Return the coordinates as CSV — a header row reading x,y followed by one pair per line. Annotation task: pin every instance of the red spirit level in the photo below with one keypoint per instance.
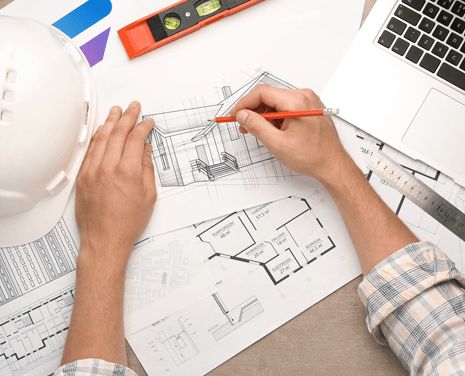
x,y
176,21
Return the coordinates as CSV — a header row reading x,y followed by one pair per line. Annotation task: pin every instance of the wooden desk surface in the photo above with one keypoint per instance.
x,y
330,339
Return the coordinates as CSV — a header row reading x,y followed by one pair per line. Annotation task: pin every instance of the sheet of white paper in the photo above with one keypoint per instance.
x,y
268,264
191,73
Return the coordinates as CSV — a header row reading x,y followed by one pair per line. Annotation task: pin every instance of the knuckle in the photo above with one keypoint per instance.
x,y
308,93
106,170
261,88
311,96
118,132
125,171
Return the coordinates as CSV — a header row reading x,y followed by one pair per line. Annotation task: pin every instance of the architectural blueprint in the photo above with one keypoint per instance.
x,y
267,264
200,164
423,225
189,148
36,299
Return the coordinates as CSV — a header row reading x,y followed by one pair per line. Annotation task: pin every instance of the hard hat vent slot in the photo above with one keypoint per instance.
x,y
5,116
8,96
11,76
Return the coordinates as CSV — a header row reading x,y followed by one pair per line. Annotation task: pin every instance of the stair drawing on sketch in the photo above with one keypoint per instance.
x,y
236,317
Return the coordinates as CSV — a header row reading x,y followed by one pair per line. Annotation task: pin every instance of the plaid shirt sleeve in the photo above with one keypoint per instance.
x,y
415,302
93,367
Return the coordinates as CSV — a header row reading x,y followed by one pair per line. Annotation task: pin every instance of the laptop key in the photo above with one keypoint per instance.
x,y
458,25
445,3
386,39
407,14
397,26
462,66
414,54
430,63
415,4
454,40
412,34
454,57
401,46
440,49
452,75
431,10
426,42
445,18
458,9
440,33
427,25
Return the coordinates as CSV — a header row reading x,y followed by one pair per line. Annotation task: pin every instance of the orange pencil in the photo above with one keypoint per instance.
x,y
284,115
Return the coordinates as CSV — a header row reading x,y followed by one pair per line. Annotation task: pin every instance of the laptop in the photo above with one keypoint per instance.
x,y
403,81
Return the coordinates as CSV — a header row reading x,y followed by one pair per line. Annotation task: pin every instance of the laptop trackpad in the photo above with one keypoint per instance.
x,y
438,131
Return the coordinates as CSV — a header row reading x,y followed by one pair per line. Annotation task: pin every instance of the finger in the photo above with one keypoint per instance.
x,y
135,145
276,98
259,127
148,169
100,139
119,134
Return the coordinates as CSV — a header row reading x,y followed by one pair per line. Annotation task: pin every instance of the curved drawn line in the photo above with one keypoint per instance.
x,y
83,17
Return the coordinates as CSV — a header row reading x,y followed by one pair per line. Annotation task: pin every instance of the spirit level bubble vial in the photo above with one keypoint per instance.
x,y
175,22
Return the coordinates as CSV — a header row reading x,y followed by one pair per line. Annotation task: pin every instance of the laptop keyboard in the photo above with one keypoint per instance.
x,y
430,34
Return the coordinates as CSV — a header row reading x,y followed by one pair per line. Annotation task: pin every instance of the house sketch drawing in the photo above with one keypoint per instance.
x,y
189,148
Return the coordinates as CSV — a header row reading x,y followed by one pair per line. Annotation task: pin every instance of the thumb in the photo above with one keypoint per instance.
x,y
258,126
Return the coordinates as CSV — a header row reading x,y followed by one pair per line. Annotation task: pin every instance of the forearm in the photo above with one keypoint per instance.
x,y
97,328
375,230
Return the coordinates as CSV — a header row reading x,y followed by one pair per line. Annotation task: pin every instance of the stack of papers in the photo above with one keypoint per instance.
x,y
239,244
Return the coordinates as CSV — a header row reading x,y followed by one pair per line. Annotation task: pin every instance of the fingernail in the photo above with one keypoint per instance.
x,y
114,110
133,104
242,117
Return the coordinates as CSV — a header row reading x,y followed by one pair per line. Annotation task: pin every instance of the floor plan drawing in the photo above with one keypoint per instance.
x,y
282,237
188,147
27,267
32,339
267,264
236,317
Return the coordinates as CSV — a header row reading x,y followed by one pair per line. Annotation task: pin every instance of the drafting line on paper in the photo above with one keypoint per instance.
x,y
236,317
297,240
36,334
27,267
188,148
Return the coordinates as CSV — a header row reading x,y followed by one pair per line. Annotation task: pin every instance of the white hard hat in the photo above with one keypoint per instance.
x,y
47,110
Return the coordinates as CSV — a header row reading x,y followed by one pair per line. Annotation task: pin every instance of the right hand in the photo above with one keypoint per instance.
x,y
309,146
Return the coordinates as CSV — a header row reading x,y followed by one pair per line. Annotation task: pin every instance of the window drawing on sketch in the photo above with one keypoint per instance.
x,y
282,237
189,148
27,267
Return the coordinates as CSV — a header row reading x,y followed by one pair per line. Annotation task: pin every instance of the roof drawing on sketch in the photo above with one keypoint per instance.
x,y
189,148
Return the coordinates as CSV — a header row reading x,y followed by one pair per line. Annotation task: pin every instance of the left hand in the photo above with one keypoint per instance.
x,y
116,190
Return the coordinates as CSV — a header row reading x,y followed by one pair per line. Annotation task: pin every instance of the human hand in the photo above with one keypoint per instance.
x,y
310,146
116,190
